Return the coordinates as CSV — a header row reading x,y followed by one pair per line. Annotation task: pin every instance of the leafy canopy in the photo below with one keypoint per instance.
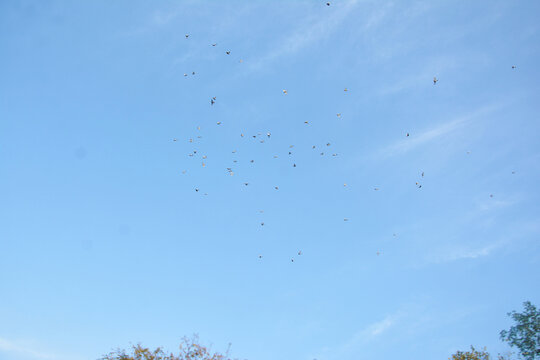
x,y
189,350
471,355
525,334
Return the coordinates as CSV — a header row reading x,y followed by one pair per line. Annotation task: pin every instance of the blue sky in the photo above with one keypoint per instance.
x,y
105,242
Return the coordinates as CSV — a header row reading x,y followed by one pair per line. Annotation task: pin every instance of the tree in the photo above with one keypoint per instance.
x,y
471,355
525,335
189,350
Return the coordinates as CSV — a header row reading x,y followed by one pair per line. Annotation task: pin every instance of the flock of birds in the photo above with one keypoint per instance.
x,y
230,171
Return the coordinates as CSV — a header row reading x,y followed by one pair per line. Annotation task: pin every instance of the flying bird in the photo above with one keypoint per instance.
x,y
513,66
187,35
327,4
228,52
214,44
219,123
435,80
276,187
284,92
300,252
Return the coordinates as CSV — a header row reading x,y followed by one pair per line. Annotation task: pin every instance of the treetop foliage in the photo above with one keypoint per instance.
x,y
525,334
190,349
471,355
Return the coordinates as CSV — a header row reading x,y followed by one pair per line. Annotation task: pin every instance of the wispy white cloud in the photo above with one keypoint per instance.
x,y
372,331
419,79
160,17
379,327
471,253
12,347
305,35
472,249
426,136
492,204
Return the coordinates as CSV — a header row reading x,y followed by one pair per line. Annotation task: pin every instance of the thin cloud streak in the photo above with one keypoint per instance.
x,y
473,253
373,330
520,231
403,146
381,326
365,335
305,36
11,347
